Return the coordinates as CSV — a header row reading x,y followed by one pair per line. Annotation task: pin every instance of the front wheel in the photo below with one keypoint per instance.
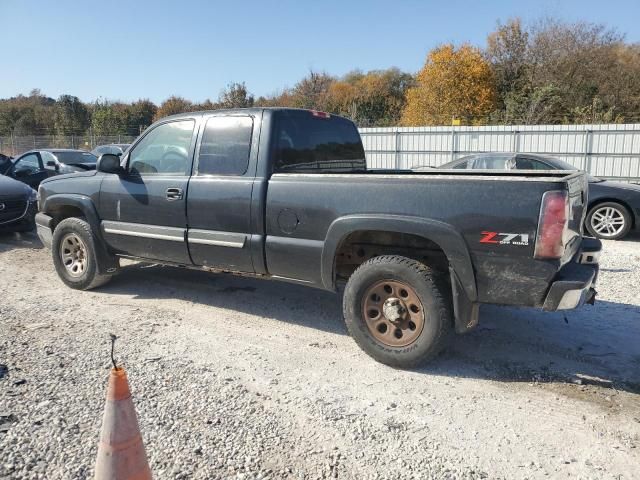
x,y
74,255
608,221
398,310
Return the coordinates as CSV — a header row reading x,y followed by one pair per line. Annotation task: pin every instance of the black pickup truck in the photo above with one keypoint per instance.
x,y
285,194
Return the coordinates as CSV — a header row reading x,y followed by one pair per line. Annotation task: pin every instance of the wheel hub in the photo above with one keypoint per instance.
x,y
607,221
394,309
393,313
73,254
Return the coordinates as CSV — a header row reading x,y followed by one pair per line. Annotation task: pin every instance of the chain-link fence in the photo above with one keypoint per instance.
x,y
15,145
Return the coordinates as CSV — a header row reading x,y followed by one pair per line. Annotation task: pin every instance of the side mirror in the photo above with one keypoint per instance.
x,y
109,163
54,164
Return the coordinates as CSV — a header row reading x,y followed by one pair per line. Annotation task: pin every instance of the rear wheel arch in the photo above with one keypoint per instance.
x,y
441,235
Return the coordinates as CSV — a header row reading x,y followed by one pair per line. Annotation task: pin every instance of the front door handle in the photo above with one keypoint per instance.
x,y
174,194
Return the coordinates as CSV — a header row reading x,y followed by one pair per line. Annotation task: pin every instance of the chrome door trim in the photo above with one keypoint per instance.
x,y
155,232
218,239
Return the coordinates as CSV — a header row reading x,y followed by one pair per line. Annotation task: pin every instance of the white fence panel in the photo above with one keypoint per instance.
x,y
609,151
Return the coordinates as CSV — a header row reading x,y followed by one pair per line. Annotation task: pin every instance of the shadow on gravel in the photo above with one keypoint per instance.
x,y
590,346
278,300
11,241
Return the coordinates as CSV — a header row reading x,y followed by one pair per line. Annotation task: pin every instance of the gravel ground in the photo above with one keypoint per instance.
x,y
241,378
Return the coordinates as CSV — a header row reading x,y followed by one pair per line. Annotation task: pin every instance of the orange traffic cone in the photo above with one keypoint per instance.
x,y
121,453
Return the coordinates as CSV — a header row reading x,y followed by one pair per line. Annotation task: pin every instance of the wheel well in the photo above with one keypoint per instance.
x,y
597,202
360,246
61,212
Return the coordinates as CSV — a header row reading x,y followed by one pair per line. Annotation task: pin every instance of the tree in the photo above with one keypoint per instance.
x,y
173,105
454,83
555,72
507,50
311,91
373,98
108,118
235,96
71,116
141,115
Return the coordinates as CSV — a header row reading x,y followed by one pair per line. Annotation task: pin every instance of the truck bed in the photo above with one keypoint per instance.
x,y
469,203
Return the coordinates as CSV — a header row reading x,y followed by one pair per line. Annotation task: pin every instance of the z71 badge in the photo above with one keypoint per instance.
x,y
505,238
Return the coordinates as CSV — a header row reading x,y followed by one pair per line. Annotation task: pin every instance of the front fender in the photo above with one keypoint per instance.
x,y
56,202
443,234
107,262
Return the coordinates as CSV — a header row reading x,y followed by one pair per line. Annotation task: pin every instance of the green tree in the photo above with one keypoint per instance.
x,y
71,116
235,96
141,115
375,98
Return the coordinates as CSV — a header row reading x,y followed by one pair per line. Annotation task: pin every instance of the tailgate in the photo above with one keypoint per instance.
x,y
578,186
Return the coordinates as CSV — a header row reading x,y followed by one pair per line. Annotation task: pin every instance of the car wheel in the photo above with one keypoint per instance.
x,y
398,310
609,221
74,255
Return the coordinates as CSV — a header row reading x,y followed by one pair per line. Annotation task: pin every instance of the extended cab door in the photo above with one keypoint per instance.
x,y
220,233
143,210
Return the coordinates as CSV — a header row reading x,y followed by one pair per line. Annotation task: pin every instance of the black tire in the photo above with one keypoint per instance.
x,y
88,277
432,290
620,212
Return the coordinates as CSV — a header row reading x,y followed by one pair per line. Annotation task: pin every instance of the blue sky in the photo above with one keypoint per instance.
x,y
125,50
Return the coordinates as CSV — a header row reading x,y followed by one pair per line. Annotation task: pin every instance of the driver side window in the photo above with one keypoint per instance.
x,y
164,150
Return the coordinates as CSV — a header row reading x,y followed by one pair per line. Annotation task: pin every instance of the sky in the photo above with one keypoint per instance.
x,y
126,50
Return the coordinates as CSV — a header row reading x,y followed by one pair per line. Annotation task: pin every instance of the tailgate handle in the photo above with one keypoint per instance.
x,y
174,194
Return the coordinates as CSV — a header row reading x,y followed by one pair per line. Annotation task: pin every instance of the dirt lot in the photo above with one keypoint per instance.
x,y
241,378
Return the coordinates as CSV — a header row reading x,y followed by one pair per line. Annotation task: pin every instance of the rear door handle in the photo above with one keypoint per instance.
x,y
174,194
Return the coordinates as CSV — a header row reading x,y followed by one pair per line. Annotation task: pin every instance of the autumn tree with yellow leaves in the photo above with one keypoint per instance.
x,y
453,84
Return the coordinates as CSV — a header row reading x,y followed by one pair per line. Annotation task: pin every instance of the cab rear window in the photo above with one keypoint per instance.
x,y
315,142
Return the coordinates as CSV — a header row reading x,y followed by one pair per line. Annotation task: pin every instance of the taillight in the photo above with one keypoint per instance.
x,y
318,114
553,225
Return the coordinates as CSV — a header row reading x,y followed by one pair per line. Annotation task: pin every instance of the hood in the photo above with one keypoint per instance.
x,y
10,188
79,174
77,167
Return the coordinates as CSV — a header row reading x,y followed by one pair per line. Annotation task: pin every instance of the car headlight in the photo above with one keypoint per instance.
x,y
33,196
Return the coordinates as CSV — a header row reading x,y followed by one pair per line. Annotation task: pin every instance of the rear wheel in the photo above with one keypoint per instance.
x,y
74,255
609,221
398,310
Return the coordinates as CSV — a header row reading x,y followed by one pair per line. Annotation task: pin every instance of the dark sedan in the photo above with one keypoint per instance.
x,y
614,207
18,206
35,165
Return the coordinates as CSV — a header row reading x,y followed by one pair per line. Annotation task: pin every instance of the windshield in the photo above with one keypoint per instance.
x,y
75,157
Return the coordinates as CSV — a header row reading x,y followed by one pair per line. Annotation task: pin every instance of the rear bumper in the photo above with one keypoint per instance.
x,y
574,285
43,228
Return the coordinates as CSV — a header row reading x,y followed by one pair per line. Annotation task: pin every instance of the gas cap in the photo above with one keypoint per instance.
x,y
288,220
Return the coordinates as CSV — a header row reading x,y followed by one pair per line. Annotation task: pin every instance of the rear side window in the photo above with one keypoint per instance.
x,y
312,142
225,146
530,164
493,163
